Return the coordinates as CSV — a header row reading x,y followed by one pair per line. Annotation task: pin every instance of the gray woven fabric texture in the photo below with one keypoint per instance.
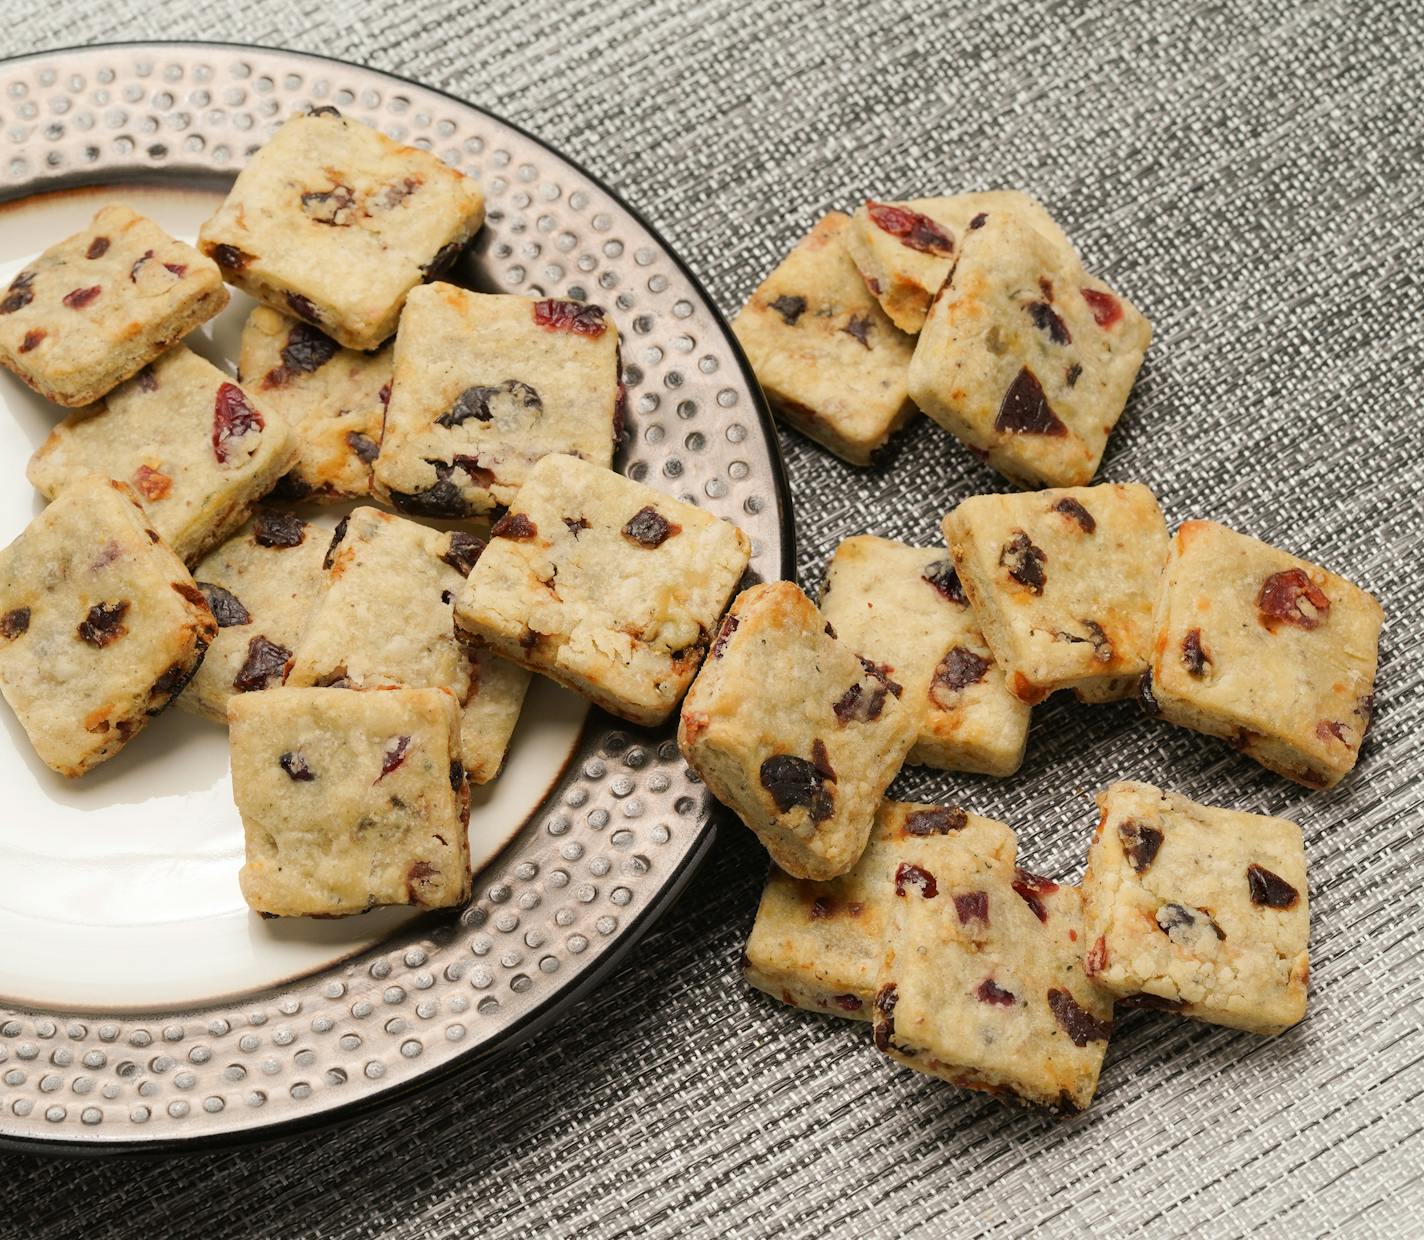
x,y
1249,173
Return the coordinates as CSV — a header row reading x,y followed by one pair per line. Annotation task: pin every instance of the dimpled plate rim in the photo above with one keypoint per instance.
x,y
626,823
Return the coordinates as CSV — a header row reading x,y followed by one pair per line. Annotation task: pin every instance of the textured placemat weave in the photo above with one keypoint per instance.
x,y
1250,174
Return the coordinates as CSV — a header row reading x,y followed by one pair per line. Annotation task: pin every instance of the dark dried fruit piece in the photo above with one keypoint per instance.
x,y
1144,696
266,661
1102,644
1270,889
1152,1002
990,992
856,704
1171,917
821,760
1046,319
1075,372
1097,958
959,669
337,535
1292,598
859,326
1194,658
457,775
570,316
885,1000
397,748
231,257
15,623
104,624
366,448
847,1003
147,380
821,908
724,633
1075,511
97,248
941,575
1030,888
1025,409
649,528
233,420
914,230
443,260
972,906
1328,728
790,308
171,682
474,402
20,293
443,499
78,298
278,529
32,339
303,307
979,220
1024,561
138,265
335,207
1106,308
227,609
514,525
183,589
576,525
909,875
296,767
793,781
935,821
178,269
1080,1025
462,552
1139,844
420,872
306,351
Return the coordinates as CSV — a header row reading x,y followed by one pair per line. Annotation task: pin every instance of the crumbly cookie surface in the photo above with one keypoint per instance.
x,y
485,385
198,449
1063,584
1198,910
1026,358
96,308
830,361
903,608
333,398
604,585
793,731
335,223
350,799
1273,653
100,625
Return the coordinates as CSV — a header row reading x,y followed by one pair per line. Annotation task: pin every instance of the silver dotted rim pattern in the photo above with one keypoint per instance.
x,y
624,825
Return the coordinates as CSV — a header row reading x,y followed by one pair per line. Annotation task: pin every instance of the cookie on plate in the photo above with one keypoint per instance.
x,y
261,585
905,250
981,980
1198,910
1273,653
100,625
335,223
385,620
604,585
334,399
485,385
1026,358
197,448
903,609
1063,584
831,363
794,731
350,799
95,309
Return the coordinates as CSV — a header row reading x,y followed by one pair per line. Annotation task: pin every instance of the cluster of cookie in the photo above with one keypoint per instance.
x,y
369,677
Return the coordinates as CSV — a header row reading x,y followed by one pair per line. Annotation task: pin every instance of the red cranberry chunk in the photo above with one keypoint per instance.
x,y
1046,319
935,821
78,298
1328,728
97,248
233,420
724,634
570,316
908,875
1097,958
278,529
1106,308
972,906
397,748
420,872
979,220
226,607
942,576
104,624
790,308
1292,598
32,339
1025,409
1139,844
178,269
1030,888
847,1003
991,992
914,230
463,552
266,662
514,525
649,528
303,307
793,781
1075,511
15,623
821,908
821,760
1194,657
1080,1025
1268,889
231,257
856,705
1025,562
296,767
20,293
959,669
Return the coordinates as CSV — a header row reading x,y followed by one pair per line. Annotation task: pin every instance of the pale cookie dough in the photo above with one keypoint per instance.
x,y
1269,651
793,731
905,250
1198,910
100,625
261,586
1062,583
198,449
335,223
904,609
350,799
385,620
981,979
95,309
831,363
485,385
1026,358
334,399
604,585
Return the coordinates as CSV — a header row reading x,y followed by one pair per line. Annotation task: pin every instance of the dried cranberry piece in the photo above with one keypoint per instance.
x,y
959,669
1106,308
914,230
443,499
171,682
385,395
227,609
881,672
366,448
230,257
233,419
909,875
138,265
1030,887
20,293
1046,319
78,298
514,525
724,633
1172,917
1270,889
821,908
334,207
649,528
1097,958
847,1003
1292,598
397,192
296,767
32,339
972,906
1102,644
821,760
307,350
15,623
474,402
147,380
1194,657
278,529
830,631
104,624
1154,1003
471,465
442,261
97,248
337,535
856,704
1327,728
1144,695
885,999
941,575
790,308
859,326
178,269
463,552
1079,1024
303,307
420,872
990,992
1074,511
457,775
793,781
1025,562
576,525
266,661
979,220
1025,409
570,316
1139,843
935,821
397,749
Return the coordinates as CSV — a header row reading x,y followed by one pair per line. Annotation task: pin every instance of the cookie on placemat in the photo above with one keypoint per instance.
x,y
485,385
335,223
1062,584
95,309
333,398
832,365
100,625
794,731
904,609
196,447
1198,910
1269,651
350,799
605,585
1026,358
